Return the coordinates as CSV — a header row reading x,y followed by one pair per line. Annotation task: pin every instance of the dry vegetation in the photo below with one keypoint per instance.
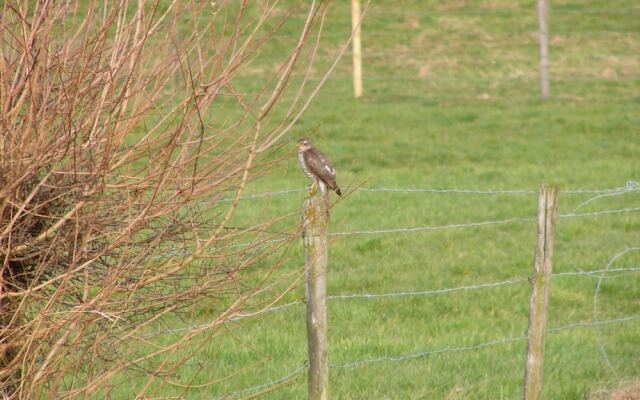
x,y
629,391
116,125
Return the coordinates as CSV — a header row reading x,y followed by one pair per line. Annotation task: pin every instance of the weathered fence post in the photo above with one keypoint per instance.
x,y
543,13
539,300
357,48
315,219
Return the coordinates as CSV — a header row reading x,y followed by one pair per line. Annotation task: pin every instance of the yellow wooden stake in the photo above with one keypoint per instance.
x,y
357,48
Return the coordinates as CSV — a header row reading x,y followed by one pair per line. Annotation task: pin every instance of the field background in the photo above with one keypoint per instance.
x,y
451,100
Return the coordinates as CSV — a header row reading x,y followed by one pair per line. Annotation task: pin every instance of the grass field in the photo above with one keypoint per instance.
x,y
452,101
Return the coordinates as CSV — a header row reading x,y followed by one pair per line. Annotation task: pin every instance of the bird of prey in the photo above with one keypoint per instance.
x,y
317,167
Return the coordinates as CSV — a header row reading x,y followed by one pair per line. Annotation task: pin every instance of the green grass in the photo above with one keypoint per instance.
x,y
452,101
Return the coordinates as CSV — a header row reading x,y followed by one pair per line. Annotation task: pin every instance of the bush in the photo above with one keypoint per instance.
x,y
117,123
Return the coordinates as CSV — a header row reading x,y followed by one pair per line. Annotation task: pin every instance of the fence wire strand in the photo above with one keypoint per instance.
x,y
356,364
481,223
425,292
592,273
591,324
432,227
232,319
486,12
275,382
596,213
630,186
444,190
477,346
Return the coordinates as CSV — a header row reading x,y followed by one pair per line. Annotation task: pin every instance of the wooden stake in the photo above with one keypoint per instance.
x,y
539,300
357,48
315,219
543,13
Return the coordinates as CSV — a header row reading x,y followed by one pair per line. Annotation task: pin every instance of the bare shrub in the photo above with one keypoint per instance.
x,y
118,121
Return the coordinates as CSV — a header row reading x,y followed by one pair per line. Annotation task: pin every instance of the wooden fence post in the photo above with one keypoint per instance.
x,y
357,48
539,300
315,219
543,13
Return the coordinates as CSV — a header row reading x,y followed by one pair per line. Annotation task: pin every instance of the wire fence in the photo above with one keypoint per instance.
x,y
400,45
408,357
599,273
403,51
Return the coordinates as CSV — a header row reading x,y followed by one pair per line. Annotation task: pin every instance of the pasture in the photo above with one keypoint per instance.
x,y
451,100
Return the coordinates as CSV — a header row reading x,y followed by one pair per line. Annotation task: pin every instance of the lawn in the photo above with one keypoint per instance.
x,y
451,100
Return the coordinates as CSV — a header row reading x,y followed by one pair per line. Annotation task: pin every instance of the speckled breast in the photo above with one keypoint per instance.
x,y
303,165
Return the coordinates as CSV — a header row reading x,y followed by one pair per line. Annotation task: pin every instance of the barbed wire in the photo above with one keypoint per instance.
x,y
261,195
431,227
448,349
592,273
525,98
269,310
399,33
359,363
235,318
596,213
473,287
411,50
499,12
426,292
275,382
591,324
507,282
488,80
451,190
478,224
485,90
630,186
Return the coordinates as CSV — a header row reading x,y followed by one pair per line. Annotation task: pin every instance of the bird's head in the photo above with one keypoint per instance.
x,y
304,144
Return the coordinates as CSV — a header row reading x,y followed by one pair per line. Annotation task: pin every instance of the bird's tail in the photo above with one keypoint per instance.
x,y
338,191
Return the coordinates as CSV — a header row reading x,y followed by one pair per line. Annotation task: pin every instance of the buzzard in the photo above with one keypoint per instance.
x,y
317,167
